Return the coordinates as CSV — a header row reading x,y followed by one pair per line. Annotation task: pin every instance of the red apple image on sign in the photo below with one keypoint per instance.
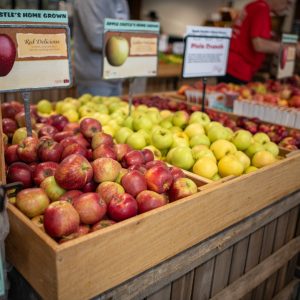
x,y
7,54
117,50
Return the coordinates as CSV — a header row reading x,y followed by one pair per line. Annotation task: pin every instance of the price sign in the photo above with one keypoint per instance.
x,y
130,49
34,50
206,52
287,57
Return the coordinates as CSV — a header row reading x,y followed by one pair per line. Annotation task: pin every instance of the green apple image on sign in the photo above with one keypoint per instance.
x,y
117,50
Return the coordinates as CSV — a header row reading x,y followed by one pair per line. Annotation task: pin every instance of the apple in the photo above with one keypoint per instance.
x,y
134,157
230,165
69,196
180,139
9,126
148,200
205,167
104,150
27,149
134,182
218,133
44,106
52,189
11,154
47,130
102,224
44,170
263,158
73,127
182,157
60,136
20,172
200,139
159,179
162,138
250,169
148,155
199,117
211,125
120,175
101,138
20,134
220,148
39,222
32,201
154,115
136,141
49,150
89,126
261,138
61,219
7,54
20,118
157,154
82,230
74,172
243,158
74,149
142,121
200,151
272,148
194,129
122,206
10,109
176,173
90,207
242,139
253,148
180,118
108,189
122,134
182,187
121,150
105,169
116,50
166,124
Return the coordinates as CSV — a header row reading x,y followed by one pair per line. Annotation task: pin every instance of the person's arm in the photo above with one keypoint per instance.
x,y
266,46
91,15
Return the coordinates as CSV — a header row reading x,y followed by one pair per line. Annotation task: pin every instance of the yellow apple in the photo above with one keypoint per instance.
x,y
220,148
230,165
194,129
205,167
243,158
263,158
117,50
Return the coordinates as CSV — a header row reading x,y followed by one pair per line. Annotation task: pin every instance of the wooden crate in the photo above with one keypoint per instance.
x,y
99,261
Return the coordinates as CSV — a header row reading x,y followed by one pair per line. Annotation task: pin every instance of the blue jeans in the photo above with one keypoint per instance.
x,y
100,90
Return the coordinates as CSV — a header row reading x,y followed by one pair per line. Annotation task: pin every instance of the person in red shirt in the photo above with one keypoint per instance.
x,y
250,40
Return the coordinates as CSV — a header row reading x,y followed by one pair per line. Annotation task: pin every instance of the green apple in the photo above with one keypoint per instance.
x,y
155,151
122,134
212,124
250,169
205,167
199,152
182,157
175,129
72,115
194,129
229,133
154,116
142,108
102,108
165,113
230,165
199,117
44,106
109,130
243,158
137,141
97,99
66,107
20,134
180,118
118,116
242,139
166,123
217,133
128,122
200,139
102,118
146,135
180,139
112,107
263,158
117,50
261,138
216,177
142,122
154,128
85,111
162,138
169,155
220,148
253,148
271,147
58,106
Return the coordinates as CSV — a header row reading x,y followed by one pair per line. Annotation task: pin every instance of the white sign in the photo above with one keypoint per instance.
x,y
208,31
205,56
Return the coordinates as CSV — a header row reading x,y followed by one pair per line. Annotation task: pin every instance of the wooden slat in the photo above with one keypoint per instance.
x,y
182,288
288,291
203,280
266,250
157,277
278,243
239,256
163,294
259,273
290,233
221,271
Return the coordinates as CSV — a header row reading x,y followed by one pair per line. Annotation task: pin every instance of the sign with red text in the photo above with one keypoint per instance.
x,y
206,52
34,50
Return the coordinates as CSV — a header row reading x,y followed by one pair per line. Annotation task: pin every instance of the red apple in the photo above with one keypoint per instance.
x,y
47,130
101,138
73,127
49,150
159,179
7,54
20,118
89,155
108,189
58,137
141,168
90,207
102,224
82,230
104,150
90,187
73,149
61,219
121,150
134,182
105,169
27,149
176,172
148,155
21,172
182,187
59,122
89,126
9,126
44,170
134,157
122,206
148,200
155,163
32,201
79,139
11,154
10,109
70,196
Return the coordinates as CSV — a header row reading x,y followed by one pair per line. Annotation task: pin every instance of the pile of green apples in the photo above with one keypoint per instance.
x,y
191,142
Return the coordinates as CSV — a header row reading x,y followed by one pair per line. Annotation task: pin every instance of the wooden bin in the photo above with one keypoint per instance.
x,y
99,261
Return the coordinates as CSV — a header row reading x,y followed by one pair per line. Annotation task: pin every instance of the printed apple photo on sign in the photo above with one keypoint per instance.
x,y
117,50
7,54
